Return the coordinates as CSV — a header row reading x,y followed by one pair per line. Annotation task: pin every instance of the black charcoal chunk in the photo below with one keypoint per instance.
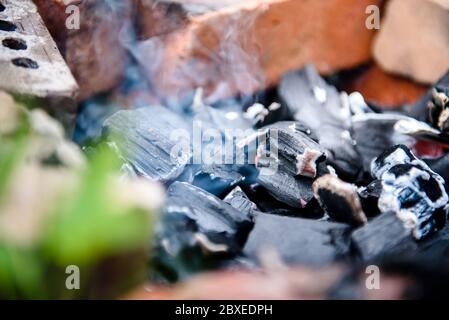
x,y
288,162
420,110
219,221
217,179
291,149
240,201
441,167
339,200
383,236
180,250
411,190
438,109
295,192
369,197
261,116
373,133
153,140
298,241
319,106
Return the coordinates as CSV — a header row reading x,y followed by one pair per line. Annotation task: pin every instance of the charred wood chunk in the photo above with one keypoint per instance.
x,y
240,201
441,167
319,106
373,133
439,108
288,162
411,190
144,139
180,250
217,179
340,200
295,192
298,241
214,217
424,109
384,236
369,198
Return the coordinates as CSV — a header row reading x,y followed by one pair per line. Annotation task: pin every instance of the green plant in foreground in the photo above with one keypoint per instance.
x,y
89,218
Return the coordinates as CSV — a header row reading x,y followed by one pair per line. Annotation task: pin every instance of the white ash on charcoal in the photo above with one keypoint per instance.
x,y
411,190
261,116
384,236
320,107
439,109
340,200
298,241
369,198
441,167
226,118
421,131
420,110
144,139
288,163
218,220
240,201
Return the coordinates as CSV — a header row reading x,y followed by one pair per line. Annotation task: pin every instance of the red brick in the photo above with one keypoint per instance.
x,y
244,47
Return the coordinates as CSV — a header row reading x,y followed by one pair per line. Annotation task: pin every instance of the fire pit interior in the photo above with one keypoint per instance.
x,y
210,149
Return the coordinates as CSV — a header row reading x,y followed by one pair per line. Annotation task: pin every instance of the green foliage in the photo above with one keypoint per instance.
x,y
86,227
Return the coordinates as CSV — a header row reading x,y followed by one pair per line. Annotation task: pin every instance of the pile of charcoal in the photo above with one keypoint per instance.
x,y
342,181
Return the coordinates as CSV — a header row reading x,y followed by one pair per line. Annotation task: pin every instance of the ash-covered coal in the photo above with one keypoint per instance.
x,y
411,190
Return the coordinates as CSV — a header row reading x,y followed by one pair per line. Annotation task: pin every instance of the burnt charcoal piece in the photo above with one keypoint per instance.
x,y
421,131
383,236
219,221
319,106
227,117
180,250
369,197
390,158
147,139
217,179
261,116
441,167
373,133
420,110
411,190
339,200
291,149
298,241
295,192
240,201
268,204
439,109
288,162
